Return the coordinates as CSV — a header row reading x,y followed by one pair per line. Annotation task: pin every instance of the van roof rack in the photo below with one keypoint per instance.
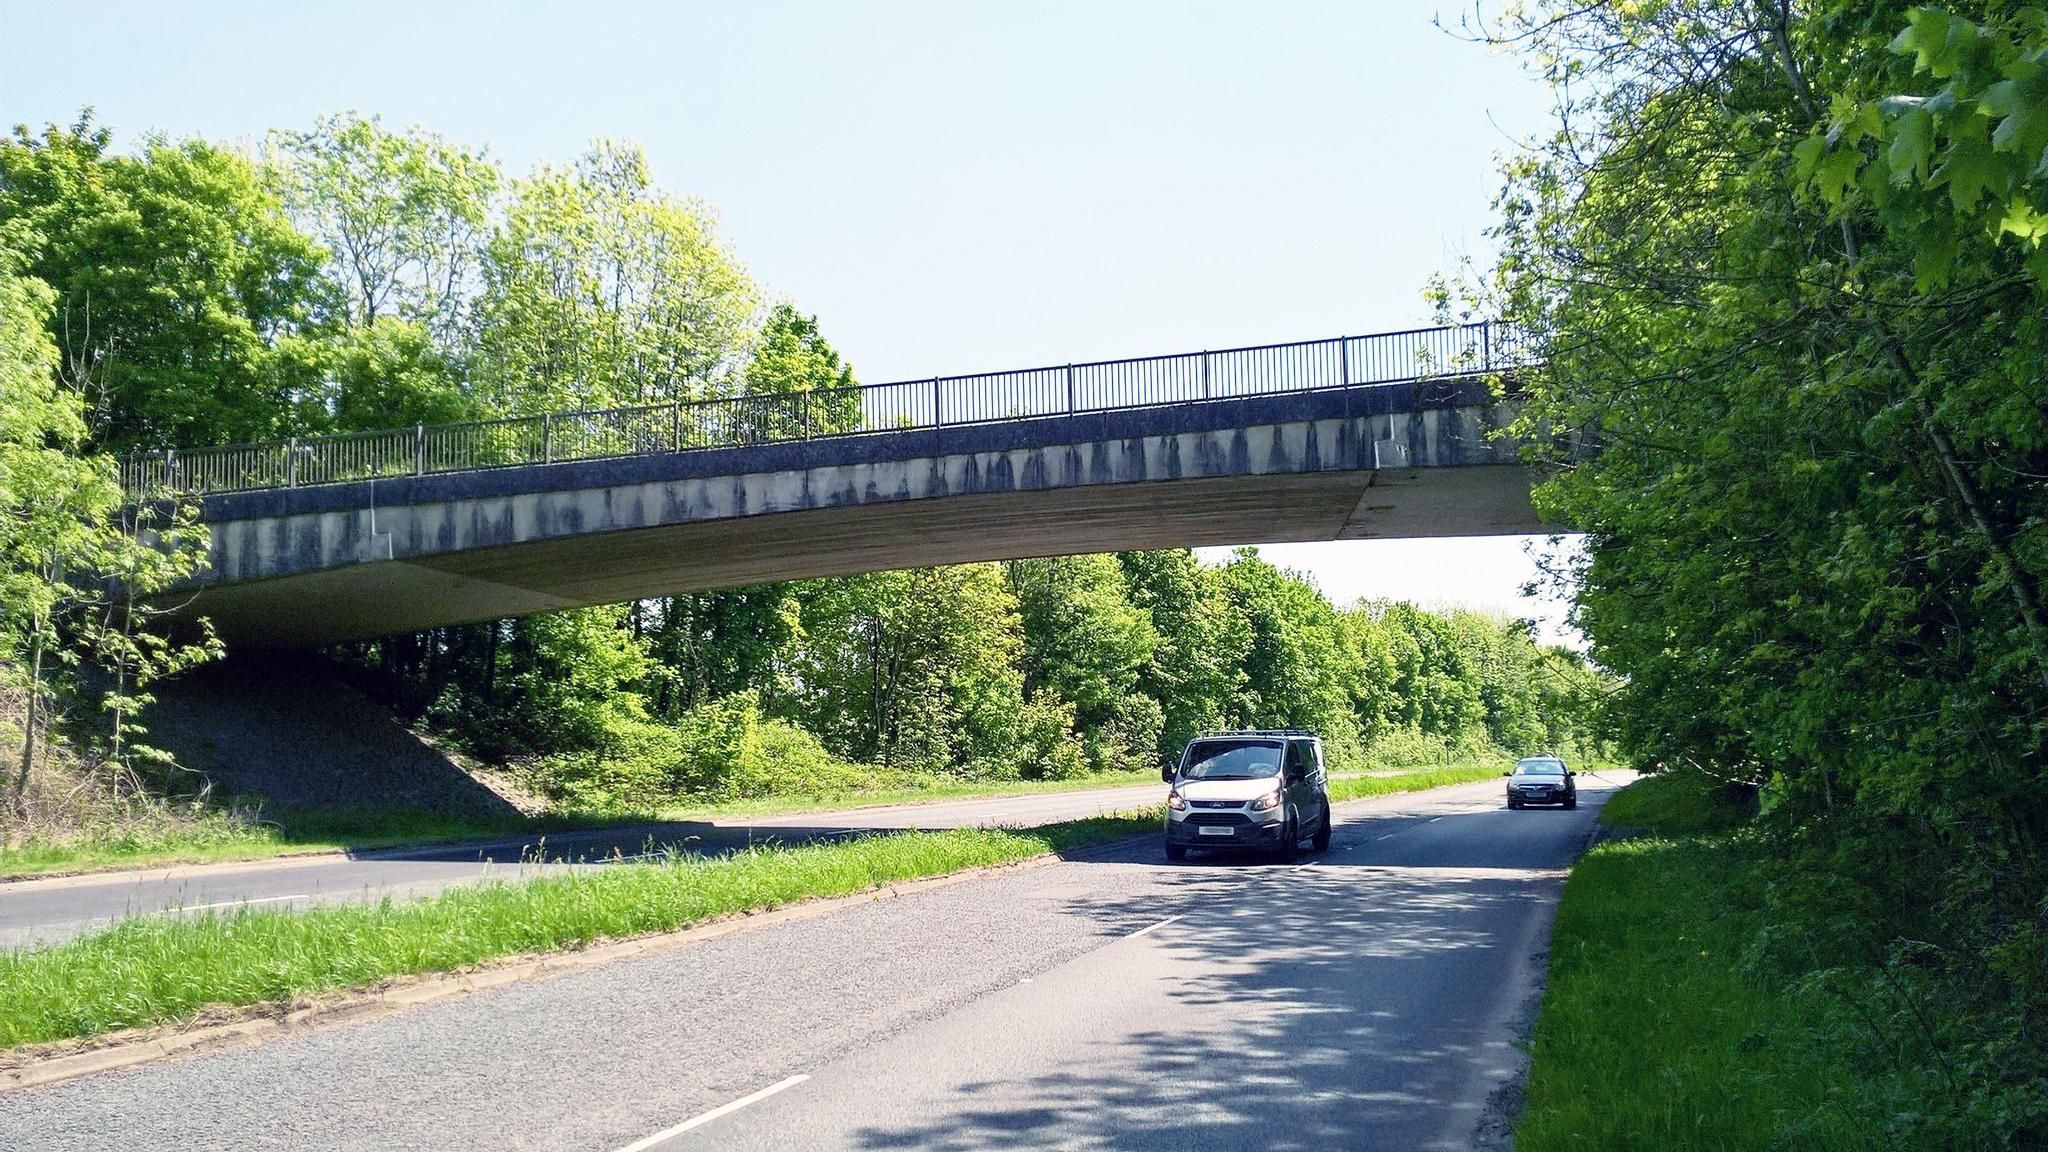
x,y
1258,732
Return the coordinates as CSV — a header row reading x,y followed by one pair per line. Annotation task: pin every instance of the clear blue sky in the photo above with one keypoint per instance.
x,y
951,187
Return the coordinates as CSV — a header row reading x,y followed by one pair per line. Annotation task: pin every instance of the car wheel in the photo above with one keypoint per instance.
x,y
1571,802
1176,852
1290,842
1514,804
1322,840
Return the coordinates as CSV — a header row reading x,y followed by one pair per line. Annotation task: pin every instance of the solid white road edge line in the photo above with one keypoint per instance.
x,y
231,904
1150,927
644,1143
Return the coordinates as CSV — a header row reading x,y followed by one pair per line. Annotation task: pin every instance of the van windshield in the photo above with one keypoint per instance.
x,y
1231,760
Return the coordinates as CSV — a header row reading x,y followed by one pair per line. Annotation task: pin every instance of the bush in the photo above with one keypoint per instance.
x,y
723,750
1046,748
1409,747
1129,740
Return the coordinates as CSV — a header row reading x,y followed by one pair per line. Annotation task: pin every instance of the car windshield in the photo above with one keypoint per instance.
x,y
1540,768
1231,760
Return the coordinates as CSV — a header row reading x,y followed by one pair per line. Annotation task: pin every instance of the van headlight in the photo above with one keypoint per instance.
x,y
1176,801
1268,802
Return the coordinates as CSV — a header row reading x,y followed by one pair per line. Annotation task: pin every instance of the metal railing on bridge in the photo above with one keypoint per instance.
x,y
758,418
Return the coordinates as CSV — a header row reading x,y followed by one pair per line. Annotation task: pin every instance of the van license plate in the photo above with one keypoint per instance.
x,y
1213,831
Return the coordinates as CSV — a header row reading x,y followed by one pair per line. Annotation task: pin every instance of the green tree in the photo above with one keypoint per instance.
x,y
557,682
599,291
77,563
916,669
1195,673
182,285
1816,524
1083,639
1085,645
402,215
708,645
792,357
1297,667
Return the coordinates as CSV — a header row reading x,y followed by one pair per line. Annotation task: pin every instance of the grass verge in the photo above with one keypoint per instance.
x,y
1655,1030
220,837
154,970
1344,788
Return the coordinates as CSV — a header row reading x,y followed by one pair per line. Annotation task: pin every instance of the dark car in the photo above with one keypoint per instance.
x,y
1541,780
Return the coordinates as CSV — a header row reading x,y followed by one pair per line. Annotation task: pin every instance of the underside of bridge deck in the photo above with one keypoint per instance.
x,y
359,600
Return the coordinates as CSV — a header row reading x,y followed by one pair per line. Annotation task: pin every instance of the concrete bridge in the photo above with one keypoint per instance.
x,y
348,537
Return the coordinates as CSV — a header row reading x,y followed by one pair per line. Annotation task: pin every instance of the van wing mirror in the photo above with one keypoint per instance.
x,y
1166,773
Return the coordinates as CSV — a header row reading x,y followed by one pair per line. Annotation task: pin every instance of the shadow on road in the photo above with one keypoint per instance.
x,y
1347,1005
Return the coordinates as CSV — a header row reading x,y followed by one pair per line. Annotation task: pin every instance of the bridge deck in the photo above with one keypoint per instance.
x,y
307,564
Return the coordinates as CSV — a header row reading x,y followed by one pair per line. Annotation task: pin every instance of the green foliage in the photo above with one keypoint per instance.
x,y
181,284
599,291
1298,668
708,645
1195,674
1680,802
1946,142
76,562
915,669
401,216
791,356
390,374
562,680
1810,401
721,751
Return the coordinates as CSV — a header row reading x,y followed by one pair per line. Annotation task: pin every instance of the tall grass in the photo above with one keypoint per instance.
x,y
156,969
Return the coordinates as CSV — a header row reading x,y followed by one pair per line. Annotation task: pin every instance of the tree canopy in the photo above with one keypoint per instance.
x,y
1785,265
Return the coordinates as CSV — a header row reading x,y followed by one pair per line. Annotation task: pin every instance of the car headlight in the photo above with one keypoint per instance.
x,y
1268,802
1176,801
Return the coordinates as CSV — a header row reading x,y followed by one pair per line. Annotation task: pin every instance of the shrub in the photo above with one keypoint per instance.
x,y
722,750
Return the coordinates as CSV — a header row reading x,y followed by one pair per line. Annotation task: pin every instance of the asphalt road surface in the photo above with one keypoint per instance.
x,y
1368,998
49,910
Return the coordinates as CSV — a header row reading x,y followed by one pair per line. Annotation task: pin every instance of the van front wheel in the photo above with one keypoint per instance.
x,y
1290,842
